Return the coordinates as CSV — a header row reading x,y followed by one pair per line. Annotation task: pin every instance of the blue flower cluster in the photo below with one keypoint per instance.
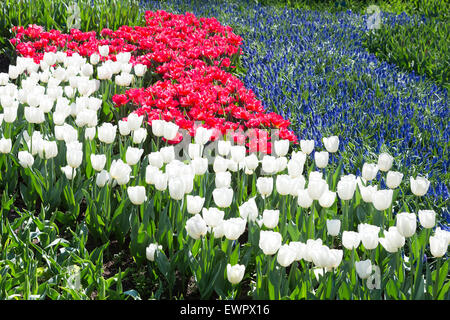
x,y
312,68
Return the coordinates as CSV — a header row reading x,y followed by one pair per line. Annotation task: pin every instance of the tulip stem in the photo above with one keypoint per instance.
x,y
436,283
411,264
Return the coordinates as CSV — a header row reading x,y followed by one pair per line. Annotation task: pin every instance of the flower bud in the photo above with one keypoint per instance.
x,y
333,227
195,226
212,216
331,143
385,161
393,179
194,204
419,186
350,239
427,218
307,146
235,273
150,251
137,195
363,268
369,171
223,197
269,242
321,159
406,224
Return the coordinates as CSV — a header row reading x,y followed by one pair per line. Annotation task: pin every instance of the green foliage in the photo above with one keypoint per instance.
x,y
93,15
422,47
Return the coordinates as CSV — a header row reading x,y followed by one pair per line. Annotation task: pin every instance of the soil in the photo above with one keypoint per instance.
x,y
4,62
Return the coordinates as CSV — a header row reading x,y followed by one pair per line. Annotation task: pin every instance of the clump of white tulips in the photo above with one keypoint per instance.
x,y
287,210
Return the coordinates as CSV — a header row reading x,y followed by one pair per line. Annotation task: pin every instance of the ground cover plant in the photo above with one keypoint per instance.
x,y
136,163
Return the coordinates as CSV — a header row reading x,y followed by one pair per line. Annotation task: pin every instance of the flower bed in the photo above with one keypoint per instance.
x,y
284,222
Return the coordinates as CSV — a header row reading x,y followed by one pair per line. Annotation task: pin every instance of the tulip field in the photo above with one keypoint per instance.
x,y
219,150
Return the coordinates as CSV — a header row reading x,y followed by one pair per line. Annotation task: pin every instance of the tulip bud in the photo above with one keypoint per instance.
x,y
368,235
295,168
385,161
327,199
5,145
316,188
160,181
333,227
212,216
69,172
286,255
98,161
167,153
139,135
158,128
200,165
176,188
406,224
94,59
140,70
150,251
233,228
194,150
269,242
235,273
321,159
311,247
249,210
369,171
223,179
220,164
438,246
251,162
120,171
223,197
271,218
392,240
194,204
297,184
307,146
107,133
202,135
224,147
124,129
134,121
283,184
237,153
133,155
264,186
74,157
195,226
137,195
304,200
281,147
427,218
393,179
281,163
382,199
419,186
346,187
363,268
350,239
331,143
26,159
103,50
269,165
170,130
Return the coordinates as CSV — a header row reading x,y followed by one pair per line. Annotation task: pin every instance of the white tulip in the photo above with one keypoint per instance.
x,y
427,218
406,224
223,197
307,146
136,194
235,273
333,227
271,218
363,268
369,171
393,179
331,143
98,161
150,251
350,239
286,255
269,242
213,216
194,204
196,227
419,186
